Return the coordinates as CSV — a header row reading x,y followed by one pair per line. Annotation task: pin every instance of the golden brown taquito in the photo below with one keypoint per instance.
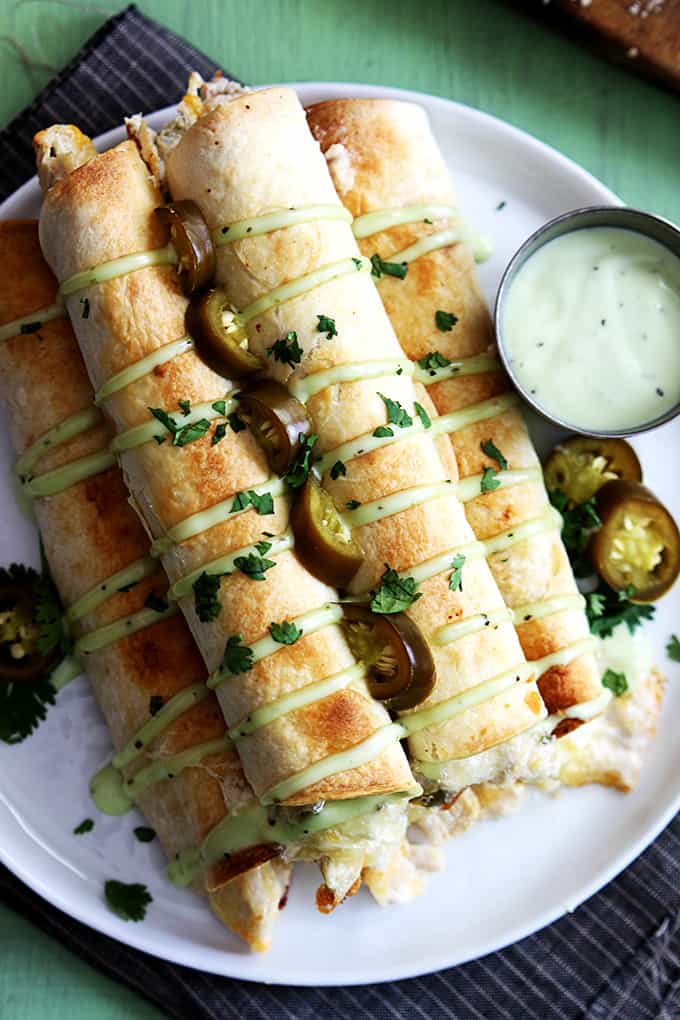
x,y
382,155
252,155
89,532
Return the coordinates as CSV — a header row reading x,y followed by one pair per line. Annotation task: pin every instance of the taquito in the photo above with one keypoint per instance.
x,y
391,176
290,266
94,543
210,503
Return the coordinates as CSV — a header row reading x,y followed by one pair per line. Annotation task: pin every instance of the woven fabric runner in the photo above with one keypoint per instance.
x,y
617,957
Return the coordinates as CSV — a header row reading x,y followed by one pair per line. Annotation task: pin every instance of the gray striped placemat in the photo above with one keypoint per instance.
x,y
617,957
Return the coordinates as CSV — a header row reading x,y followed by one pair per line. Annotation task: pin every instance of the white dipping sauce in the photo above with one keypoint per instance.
x,y
591,328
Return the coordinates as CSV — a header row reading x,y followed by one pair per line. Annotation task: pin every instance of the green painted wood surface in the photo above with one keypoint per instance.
x,y
484,54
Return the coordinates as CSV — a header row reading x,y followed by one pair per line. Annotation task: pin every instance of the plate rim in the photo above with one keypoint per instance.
x,y
236,965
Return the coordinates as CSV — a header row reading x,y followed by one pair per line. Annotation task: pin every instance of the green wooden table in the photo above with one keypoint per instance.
x,y
482,53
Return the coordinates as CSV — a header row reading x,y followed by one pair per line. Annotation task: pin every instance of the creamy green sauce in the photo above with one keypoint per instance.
x,y
142,367
225,564
102,637
307,695
156,724
471,487
481,246
471,625
396,503
585,302
303,284
67,670
144,433
269,222
309,622
40,316
129,575
53,482
382,219
214,515
356,371
255,826
118,267
474,365
549,520
547,607
438,564
69,428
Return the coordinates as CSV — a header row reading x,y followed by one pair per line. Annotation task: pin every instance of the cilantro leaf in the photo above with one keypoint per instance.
x,y
263,504
338,469
206,602
493,453
501,205
253,566
48,615
396,414
380,268
673,648
29,327
425,419
144,834
489,480
287,350
285,633
431,362
165,419
357,262
606,609
301,462
238,658
445,321
129,902
577,524
237,424
181,434
87,825
219,433
263,547
395,593
155,704
383,431
241,501
184,406
615,682
85,302
327,326
352,504
456,579
23,707
155,602
220,406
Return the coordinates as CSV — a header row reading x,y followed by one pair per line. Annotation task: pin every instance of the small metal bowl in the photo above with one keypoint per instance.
x,y
661,230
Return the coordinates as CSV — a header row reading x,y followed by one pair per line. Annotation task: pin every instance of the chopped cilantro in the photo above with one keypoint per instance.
x,y
327,326
181,434
285,633
263,547
445,321
184,406
673,648
155,602
301,462
238,658
380,268
219,405
489,480
48,614
160,439
425,419
357,262
382,432
501,205
155,704
396,414
144,834
263,504
456,579
491,450
241,501
219,433
287,350
85,302
87,825
352,504
30,327
338,469
431,362
395,593
254,566
206,602
615,682
237,424
129,902
606,609
23,707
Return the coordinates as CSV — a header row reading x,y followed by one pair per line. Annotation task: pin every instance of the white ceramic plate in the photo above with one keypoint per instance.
x,y
504,879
